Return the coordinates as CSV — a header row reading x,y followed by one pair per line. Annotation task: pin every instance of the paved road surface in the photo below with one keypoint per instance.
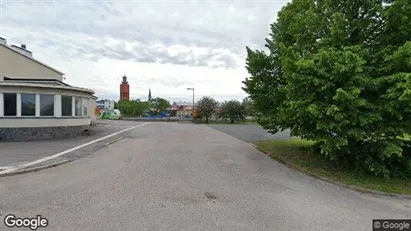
x,y
16,153
156,179
250,132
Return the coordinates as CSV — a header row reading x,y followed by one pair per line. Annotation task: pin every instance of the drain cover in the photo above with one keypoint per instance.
x,y
210,196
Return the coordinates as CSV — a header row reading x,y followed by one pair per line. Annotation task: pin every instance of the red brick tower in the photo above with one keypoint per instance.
x,y
124,89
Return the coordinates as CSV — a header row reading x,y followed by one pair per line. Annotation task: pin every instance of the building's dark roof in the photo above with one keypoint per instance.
x,y
33,80
21,48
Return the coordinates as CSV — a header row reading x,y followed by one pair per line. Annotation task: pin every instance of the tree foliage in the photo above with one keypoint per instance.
x,y
206,107
339,73
233,110
132,108
248,107
159,105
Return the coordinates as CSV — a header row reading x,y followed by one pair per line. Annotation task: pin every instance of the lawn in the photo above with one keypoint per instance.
x,y
296,152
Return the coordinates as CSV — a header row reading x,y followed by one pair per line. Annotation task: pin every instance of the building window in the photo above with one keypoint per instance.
x,y
85,106
78,106
46,105
10,104
28,104
66,105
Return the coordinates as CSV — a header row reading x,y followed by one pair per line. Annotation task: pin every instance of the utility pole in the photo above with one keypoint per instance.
x,y
189,89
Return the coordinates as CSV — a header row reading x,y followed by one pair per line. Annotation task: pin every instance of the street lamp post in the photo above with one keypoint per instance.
x,y
189,89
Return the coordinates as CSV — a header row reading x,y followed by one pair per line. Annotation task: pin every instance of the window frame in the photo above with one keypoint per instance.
x,y
86,105
75,106
21,104
4,104
54,104
71,107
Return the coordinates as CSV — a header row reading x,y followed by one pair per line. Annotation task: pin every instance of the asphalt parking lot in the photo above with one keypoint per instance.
x,y
16,153
171,176
250,132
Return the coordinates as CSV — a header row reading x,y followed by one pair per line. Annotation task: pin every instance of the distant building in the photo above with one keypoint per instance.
x,y
105,104
149,95
180,109
124,89
35,103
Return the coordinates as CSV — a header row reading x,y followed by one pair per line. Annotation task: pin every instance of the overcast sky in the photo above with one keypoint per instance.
x,y
163,45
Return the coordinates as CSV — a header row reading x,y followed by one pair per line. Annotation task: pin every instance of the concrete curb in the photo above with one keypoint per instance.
x,y
34,169
309,173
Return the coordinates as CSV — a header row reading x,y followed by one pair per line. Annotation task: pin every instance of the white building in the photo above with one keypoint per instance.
x,y
105,104
35,103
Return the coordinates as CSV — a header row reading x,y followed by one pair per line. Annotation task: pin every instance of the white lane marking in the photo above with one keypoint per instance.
x,y
6,167
12,169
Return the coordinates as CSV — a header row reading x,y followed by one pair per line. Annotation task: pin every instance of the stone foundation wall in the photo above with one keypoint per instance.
x,y
41,133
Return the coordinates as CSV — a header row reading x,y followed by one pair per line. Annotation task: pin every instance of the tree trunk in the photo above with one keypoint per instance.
x,y
207,119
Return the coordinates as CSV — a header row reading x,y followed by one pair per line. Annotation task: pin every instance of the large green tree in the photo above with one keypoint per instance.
x,y
206,107
233,110
339,73
132,108
159,105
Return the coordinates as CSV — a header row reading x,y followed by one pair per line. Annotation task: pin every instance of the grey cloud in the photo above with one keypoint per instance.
x,y
94,49
224,60
201,25
169,82
103,94
142,53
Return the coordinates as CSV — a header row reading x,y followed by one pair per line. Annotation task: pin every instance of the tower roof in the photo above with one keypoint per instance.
x,y
124,79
